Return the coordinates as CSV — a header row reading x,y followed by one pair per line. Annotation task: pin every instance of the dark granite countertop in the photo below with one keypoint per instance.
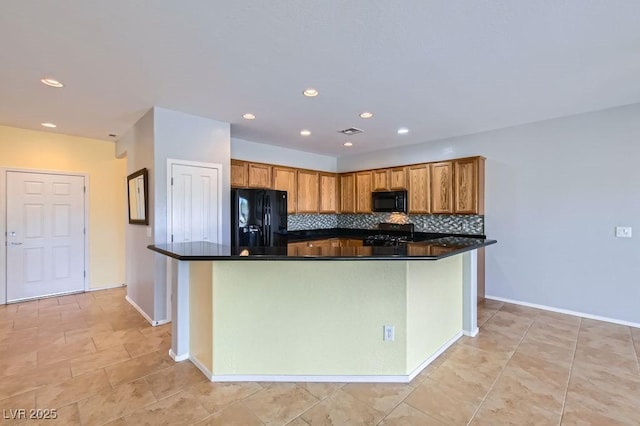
x,y
432,249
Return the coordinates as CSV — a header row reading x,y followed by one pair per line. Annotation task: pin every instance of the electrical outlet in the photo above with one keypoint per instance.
x,y
388,332
623,231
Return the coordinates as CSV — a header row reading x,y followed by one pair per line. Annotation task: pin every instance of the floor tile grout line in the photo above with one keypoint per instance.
x,y
319,400
502,371
573,360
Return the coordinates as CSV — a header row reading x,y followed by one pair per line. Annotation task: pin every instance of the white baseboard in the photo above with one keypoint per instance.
x,y
143,313
204,369
565,311
329,378
106,288
472,334
178,358
439,352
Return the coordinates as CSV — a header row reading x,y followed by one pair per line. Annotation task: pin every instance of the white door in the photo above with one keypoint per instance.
x,y
45,234
195,210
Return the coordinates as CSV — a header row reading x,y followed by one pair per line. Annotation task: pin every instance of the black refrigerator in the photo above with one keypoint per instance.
x,y
258,216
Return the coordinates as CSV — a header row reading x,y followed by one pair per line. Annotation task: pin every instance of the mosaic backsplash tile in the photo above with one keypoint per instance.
x,y
297,222
455,224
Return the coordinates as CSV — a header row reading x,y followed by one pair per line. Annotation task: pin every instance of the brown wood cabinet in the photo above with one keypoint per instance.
x,y
442,187
259,175
363,192
398,178
239,174
419,191
284,179
348,193
308,196
328,193
351,242
446,187
380,180
469,185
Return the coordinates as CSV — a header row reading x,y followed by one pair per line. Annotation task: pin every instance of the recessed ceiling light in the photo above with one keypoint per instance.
x,y
310,92
51,82
348,144
305,132
249,116
50,125
403,131
366,114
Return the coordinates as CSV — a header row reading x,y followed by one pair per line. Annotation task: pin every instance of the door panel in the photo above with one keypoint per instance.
x,y
45,234
194,215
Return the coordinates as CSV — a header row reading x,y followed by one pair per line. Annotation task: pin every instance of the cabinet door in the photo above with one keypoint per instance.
x,y
284,179
419,189
467,185
380,180
296,249
363,192
259,175
239,174
398,178
442,187
348,193
307,191
328,193
354,243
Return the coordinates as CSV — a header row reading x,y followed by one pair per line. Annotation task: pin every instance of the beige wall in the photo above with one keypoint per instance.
x,y
28,149
322,318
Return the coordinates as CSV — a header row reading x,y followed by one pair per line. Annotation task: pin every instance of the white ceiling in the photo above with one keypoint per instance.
x,y
441,68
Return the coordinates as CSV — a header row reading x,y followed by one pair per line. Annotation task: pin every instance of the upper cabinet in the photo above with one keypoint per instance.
x,y
446,187
363,192
259,175
284,179
239,174
380,180
388,179
469,185
348,193
308,196
442,187
398,178
419,188
328,193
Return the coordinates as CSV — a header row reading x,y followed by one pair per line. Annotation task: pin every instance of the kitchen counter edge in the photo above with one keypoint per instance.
x,y
203,251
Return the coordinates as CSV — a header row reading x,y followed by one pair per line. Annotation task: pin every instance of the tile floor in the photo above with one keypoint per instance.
x,y
96,361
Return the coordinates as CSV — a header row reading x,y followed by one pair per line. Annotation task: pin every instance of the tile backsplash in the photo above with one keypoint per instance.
x,y
455,224
296,222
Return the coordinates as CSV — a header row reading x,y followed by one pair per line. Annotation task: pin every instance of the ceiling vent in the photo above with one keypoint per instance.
x,y
350,131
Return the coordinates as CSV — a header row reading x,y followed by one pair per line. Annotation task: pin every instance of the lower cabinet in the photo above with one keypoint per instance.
x,y
318,247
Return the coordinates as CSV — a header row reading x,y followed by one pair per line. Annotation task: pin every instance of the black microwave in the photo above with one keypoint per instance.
x,y
389,201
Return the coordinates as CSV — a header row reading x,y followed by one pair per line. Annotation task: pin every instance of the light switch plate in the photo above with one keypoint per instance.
x,y
149,231
389,333
623,231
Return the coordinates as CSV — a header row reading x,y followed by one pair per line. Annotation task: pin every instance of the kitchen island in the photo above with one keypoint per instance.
x,y
342,314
